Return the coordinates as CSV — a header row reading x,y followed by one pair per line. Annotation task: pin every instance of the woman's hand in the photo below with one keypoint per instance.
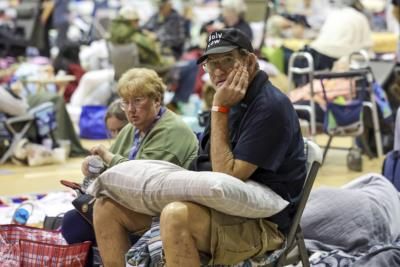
x,y
102,152
92,166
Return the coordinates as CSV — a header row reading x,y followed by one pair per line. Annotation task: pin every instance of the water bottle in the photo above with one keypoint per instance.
x,y
95,166
22,214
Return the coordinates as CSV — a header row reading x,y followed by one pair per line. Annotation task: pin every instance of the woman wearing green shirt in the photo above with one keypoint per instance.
x,y
153,132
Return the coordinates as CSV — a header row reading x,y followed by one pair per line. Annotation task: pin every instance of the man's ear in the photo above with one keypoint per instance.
x,y
251,63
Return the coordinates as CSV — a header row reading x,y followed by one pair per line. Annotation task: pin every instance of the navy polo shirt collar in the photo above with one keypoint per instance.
x,y
237,112
255,86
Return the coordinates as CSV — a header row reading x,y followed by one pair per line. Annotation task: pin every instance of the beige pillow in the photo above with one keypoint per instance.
x,y
146,186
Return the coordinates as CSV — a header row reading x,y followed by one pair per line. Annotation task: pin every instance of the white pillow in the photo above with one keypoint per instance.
x,y
147,186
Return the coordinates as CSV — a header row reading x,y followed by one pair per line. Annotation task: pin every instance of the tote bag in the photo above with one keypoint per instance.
x,y
91,122
35,247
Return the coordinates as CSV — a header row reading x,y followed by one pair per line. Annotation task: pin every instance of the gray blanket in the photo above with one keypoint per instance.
x,y
397,131
360,219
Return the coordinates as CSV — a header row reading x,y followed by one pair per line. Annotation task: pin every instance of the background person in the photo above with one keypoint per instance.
x,y
115,118
168,27
346,30
61,20
232,16
125,29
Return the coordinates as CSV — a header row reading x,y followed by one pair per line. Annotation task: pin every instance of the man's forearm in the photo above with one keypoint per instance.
x,y
221,154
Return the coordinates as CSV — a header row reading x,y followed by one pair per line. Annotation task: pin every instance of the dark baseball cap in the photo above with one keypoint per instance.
x,y
225,40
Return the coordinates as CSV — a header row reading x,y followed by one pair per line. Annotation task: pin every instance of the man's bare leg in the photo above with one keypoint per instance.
x,y
112,225
185,229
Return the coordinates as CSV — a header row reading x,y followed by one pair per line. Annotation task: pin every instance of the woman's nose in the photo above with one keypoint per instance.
x,y
131,107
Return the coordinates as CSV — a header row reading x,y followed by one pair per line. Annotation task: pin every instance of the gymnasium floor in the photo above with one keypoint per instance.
x,y
18,180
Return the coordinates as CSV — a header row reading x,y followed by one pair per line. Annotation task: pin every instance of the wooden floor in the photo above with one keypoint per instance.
x,y
17,180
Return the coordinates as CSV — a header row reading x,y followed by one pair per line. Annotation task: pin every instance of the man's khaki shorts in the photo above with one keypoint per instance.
x,y
234,239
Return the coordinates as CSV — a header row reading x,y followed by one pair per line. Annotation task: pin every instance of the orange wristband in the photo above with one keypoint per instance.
x,y
221,109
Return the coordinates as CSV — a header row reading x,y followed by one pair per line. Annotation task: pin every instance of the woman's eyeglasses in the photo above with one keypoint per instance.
x,y
135,102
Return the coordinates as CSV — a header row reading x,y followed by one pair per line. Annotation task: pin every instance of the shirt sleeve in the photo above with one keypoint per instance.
x,y
122,145
160,155
117,159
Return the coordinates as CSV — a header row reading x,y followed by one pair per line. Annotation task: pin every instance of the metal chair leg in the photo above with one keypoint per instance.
x,y
16,137
326,148
302,249
11,149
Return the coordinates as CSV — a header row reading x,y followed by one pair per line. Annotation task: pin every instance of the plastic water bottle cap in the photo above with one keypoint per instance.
x,y
21,216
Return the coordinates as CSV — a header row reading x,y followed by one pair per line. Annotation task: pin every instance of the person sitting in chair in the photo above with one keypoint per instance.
x,y
125,29
168,27
346,30
153,132
115,118
254,134
232,16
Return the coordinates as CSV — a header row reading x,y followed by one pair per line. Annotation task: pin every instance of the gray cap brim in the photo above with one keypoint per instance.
x,y
216,50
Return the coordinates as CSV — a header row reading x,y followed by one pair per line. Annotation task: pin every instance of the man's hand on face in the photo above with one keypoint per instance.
x,y
235,86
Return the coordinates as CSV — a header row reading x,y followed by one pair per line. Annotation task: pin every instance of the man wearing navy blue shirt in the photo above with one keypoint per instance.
x,y
254,134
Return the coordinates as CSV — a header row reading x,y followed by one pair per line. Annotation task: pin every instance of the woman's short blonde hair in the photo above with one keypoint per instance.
x,y
139,82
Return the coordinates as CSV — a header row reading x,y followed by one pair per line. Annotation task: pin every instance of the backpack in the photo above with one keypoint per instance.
x,y
391,168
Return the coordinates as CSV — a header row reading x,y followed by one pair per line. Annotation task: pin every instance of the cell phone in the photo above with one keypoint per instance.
x,y
72,185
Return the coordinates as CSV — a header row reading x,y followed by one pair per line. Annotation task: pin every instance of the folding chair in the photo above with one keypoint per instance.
x,y
14,129
295,249
126,56
123,57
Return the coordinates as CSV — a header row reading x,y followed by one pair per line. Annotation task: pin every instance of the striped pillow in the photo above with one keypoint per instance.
x,y
147,186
